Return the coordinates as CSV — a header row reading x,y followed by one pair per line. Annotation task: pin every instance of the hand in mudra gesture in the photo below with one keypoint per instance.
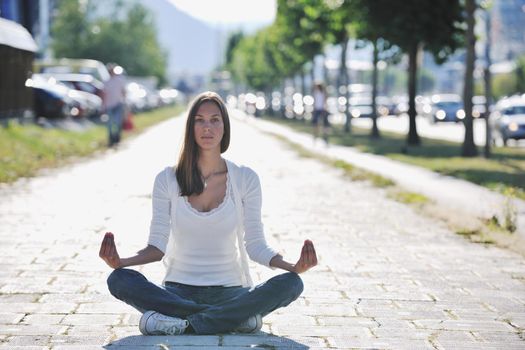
x,y
308,258
108,251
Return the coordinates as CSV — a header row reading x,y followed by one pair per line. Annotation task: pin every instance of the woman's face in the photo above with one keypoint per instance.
x,y
209,127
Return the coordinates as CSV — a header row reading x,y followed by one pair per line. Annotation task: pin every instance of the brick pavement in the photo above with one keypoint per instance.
x,y
387,278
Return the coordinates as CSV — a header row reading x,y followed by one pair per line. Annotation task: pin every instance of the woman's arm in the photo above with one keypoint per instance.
x,y
307,260
108,253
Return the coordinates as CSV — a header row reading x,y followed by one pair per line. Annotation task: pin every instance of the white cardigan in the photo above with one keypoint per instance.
x,y
248,200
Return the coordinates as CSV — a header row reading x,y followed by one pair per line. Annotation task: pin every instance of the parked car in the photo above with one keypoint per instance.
x,y
478,107
446,108
49,101
508,119
385,106
87,105
361,107
82,82
72,65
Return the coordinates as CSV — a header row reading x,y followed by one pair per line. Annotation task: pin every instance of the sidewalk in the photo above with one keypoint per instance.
x,y
452,193
387,278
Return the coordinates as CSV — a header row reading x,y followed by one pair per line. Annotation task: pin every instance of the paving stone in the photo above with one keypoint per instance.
x,y
91,319
23,329
23,347
24,340
10,318
460,325
78,340
387,278
85,330
19,298
37,319
41,308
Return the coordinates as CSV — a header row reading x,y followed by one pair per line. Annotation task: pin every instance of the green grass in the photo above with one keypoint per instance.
x,y
355,173
504,172
24,149
409,197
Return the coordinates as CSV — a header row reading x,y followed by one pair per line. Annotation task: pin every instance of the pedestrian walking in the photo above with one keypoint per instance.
x,y
114,99
320,115
206,223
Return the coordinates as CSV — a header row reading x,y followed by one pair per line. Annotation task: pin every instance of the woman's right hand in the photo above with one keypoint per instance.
x,y
108,251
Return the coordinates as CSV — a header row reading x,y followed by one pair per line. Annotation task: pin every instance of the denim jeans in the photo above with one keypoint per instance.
x,y
116,118
209,310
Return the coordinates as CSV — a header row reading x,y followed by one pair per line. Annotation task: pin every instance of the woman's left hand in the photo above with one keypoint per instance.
x,y
308,258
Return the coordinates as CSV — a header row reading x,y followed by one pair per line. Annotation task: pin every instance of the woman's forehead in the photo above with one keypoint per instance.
x,y
208,109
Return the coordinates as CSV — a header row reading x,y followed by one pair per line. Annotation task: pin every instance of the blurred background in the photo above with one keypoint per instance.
x,y
414,74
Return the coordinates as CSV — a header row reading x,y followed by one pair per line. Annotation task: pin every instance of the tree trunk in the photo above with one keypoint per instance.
x,y
375,131
326,78
469,148
487,79
345,81
413,137
312,77
303,82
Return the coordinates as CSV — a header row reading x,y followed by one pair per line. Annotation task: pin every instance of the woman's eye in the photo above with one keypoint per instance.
x,y
215,120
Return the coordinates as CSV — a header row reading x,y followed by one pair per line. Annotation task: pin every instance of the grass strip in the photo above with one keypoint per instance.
x,y
25,149
474,229
504,172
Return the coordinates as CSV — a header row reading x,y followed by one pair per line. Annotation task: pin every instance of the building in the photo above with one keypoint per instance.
x,y
33,15
508,30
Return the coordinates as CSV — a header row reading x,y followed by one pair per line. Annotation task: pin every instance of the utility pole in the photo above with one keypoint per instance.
x,y
487,78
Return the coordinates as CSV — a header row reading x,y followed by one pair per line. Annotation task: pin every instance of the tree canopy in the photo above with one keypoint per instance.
x,y
128,37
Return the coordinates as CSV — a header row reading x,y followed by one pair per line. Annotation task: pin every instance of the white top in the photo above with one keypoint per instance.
x,y
319,98
205,251
114,91
200,248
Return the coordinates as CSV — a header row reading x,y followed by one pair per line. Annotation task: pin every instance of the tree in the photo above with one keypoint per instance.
x,y
487,77
382,50
340,26
520,74
469,147
72,29
233,41
413,25
128,37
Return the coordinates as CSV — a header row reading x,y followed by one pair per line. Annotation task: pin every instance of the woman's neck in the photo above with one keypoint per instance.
x,y
211,162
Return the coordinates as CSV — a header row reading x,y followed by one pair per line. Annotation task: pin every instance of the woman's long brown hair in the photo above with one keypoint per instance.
x,y
188,174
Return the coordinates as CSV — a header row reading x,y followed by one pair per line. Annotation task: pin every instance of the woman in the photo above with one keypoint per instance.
x,y
206,222
320,115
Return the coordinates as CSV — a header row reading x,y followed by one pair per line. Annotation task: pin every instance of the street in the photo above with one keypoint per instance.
x,y
387,277
454,132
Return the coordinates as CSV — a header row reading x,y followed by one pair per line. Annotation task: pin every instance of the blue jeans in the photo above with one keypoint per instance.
x,y
209,310
116,118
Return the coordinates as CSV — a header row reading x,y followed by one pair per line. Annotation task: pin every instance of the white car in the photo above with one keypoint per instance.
x,y
508,119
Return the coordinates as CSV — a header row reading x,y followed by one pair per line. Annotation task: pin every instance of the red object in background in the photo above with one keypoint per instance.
x,y
128,122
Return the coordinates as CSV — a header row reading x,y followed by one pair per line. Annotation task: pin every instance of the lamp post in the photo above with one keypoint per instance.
x,y
487,79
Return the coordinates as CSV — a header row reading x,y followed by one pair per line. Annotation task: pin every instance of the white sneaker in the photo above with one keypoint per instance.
x,y
154,323
251,325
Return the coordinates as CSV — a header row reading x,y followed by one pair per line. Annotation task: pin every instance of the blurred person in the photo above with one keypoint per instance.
x,y
114,99
320,115
206,223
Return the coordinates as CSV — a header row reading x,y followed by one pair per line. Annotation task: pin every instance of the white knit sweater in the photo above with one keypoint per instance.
x,y
247,199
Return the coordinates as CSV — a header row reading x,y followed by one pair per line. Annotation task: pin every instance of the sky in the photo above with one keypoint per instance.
x,y
229,12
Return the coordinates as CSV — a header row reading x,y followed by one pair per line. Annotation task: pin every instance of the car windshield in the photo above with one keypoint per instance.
x,y
514,110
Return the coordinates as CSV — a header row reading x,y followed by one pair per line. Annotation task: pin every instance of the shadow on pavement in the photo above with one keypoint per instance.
x,y
259,340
